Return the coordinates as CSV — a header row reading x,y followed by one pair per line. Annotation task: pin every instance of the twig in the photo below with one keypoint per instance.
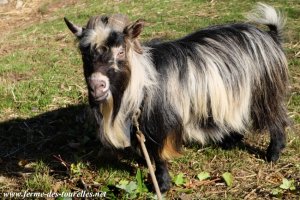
x,y
243,177
140,136
13,94
215,192
252,192
64,163
21,174
84,184
207,182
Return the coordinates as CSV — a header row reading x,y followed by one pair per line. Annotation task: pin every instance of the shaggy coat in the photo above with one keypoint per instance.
x,y
218,81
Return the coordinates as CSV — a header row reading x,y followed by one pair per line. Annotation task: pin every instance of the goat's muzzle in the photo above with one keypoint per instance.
x,y
98,86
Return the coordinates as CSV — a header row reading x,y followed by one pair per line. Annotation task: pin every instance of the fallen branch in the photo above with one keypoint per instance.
x,y
140,136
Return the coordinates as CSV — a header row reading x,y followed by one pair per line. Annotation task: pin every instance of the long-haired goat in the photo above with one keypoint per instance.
x,y
203,87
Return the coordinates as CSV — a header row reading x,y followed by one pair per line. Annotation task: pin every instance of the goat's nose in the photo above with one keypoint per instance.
x,y
98,86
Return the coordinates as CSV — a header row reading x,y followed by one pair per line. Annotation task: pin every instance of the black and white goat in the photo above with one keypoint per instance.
x,y
203,87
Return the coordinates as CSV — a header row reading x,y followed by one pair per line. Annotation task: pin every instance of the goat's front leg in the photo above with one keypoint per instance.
x,y
161,166
162,175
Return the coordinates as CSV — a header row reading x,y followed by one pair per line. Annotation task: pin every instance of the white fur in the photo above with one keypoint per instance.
x,y
265,14
143,79
96,36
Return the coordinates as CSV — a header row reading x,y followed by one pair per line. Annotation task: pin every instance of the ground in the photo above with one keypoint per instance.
x,y
47,140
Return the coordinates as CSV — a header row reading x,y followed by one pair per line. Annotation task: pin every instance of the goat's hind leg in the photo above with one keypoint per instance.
x,y
230,141
277,142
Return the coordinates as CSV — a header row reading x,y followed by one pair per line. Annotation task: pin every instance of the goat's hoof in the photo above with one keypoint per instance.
x,y
164,182
272,156
164,187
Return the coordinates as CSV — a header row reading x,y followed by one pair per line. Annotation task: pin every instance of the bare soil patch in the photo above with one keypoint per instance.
x,y
20,14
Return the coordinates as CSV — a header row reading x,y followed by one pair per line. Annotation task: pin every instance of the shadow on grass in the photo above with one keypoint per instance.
x,y
235,141
66,133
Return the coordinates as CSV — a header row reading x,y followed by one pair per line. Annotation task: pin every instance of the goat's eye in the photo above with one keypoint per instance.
x,y
100,50
121,54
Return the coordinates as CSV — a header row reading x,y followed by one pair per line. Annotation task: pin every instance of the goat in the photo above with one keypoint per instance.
x,y
206,86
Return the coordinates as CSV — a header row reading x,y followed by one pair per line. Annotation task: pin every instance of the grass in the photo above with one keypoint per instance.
x,y
40,180
44,120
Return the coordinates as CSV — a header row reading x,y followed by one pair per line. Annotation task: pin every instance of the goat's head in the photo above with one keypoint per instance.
x,y
104,44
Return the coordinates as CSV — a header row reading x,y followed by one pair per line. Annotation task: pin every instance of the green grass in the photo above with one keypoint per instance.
x,y
43,114
40,180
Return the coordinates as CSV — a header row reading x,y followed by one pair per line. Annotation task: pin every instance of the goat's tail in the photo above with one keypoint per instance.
x,y
267,15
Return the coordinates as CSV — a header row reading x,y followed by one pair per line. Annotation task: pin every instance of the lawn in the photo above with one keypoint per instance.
x,y
47,140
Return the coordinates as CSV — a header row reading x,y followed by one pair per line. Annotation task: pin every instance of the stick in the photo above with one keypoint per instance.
x,y
141,138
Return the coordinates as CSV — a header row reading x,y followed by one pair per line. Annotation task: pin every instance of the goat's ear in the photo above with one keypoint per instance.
x,y
76,30
132,31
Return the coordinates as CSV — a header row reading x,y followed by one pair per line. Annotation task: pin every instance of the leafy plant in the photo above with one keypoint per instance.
x,y
286,185
179,179
133,188
203,175
228,178
129,187
76,169
277,192
141,187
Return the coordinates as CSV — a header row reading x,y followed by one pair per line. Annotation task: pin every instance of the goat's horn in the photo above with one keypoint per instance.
x,y
118,22
77,30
